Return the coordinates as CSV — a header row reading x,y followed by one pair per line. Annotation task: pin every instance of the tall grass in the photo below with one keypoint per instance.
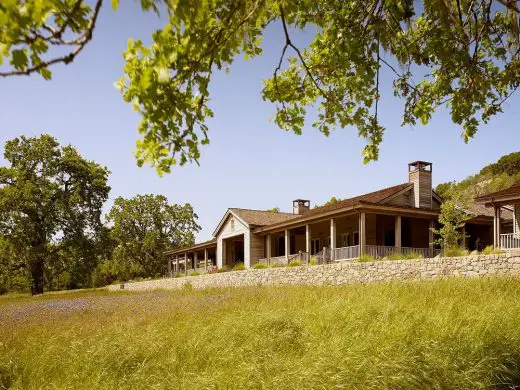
x,y
453,334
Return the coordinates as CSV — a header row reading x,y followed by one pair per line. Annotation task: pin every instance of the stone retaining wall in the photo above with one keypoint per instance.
x,y
345,272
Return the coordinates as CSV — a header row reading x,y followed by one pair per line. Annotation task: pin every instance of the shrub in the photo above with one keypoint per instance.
x,y
313,260
295,263
413,256
224,268
396,256
194,273
260,266
179,275
455,252
239,267
366,258
277,265
491,250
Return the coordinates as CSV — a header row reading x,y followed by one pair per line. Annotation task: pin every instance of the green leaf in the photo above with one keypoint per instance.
x,y
115,4
19,59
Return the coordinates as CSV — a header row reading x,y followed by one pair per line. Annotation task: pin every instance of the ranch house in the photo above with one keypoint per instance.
x,y
395,219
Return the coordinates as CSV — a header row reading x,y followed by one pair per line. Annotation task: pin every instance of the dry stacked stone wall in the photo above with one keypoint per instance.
x,y
345,272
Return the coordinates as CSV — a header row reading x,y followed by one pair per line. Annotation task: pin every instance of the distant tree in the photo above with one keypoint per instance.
x,y
455,211
50,199
508,164
274,209
332,200
143,227
462,55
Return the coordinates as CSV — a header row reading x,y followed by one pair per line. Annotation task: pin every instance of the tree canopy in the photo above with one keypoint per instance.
x,y
144,226
460,54
51,200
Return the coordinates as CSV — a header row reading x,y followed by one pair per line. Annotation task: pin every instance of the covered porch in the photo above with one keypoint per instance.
x,y
351,235
505,236
199,258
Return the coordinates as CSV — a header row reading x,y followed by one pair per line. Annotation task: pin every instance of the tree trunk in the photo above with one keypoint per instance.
x,y
37,276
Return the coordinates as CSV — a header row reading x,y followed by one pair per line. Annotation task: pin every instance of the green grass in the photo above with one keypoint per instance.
x,y
260,266
366,258
451,334
405,256
239,267
455,252
491,250
294,263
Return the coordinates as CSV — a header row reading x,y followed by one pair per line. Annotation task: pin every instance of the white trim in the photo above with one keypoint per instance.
x,y
224,219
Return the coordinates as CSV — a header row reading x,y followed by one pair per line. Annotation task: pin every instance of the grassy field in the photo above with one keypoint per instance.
x,y
456,334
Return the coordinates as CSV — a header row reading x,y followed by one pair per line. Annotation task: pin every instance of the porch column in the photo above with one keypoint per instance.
x,y
195,260
186,264
206,259
516,218
431,238
464,241
177,264
496,227
398,231
362,233
332,239
169,267
268,249
308,240
287,244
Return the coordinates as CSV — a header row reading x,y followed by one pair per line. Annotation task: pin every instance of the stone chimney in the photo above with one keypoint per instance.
x,y
420,174
301,206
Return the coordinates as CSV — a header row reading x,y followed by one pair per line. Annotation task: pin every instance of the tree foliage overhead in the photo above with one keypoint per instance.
x,y
463,54
50,201
145,226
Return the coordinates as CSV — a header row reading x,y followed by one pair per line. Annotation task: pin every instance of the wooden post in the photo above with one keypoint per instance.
x,y
516,218
464,241
177,265
195,260
169,267
431,238
332,239
206,259
398,231
496,227
308,240
362,234
287,245
186,264
268,249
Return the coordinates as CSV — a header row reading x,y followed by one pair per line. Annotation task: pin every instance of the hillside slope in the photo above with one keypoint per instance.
x,y
493,177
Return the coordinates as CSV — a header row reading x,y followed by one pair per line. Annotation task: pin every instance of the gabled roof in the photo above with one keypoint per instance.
x,y
511,193
262,217
254,218
375,197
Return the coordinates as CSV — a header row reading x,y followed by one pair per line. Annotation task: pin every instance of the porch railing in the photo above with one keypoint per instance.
x,y
386,251
510,241
346,253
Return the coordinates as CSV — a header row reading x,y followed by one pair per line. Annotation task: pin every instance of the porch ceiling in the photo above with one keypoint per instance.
x,y
348,211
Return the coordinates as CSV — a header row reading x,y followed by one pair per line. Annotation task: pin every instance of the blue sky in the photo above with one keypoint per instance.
x,y
249,163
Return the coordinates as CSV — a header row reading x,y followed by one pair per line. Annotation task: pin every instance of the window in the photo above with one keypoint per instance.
x,y
315,246
281,246
345,239
356,238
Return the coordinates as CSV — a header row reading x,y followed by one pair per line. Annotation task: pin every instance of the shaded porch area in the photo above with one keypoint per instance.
x,y
505,236
199,258
350,236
